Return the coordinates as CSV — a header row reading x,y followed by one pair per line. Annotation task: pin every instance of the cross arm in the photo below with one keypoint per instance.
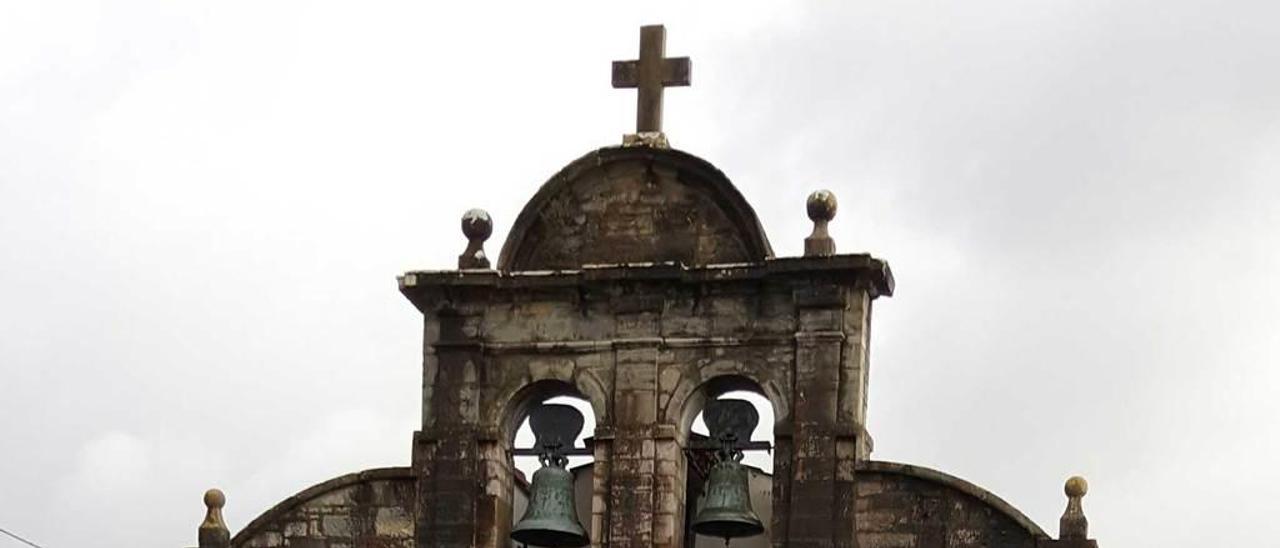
x,y
675,72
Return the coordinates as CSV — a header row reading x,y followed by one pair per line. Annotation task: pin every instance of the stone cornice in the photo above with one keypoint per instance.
x,y
419,285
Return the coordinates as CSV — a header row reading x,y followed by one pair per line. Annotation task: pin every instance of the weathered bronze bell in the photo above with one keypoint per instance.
x,y
725,509
551,519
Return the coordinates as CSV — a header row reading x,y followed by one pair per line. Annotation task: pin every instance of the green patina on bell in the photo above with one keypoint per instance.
x,y
551,519
725,509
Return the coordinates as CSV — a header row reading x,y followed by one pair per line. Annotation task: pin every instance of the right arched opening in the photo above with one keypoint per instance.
x,y
759,464
761,460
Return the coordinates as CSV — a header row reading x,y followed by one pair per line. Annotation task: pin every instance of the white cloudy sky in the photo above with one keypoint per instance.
x,y
203,206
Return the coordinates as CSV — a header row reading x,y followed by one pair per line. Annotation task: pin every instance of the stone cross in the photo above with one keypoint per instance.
x,y
652,72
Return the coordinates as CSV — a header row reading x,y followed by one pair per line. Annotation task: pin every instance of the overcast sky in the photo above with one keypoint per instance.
x,y
203,207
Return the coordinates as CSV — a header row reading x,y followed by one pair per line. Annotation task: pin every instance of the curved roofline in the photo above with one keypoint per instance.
x,y
322,488
405,473
940,478
735,206
943,478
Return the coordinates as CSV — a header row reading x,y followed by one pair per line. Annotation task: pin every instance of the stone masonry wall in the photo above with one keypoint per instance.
x,y
371,509
634,205
646,346
900,506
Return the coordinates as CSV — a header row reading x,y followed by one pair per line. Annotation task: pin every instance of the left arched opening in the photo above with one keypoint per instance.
x,y
521,439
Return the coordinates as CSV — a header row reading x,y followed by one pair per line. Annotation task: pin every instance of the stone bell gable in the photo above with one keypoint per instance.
x,y
646,338
638,279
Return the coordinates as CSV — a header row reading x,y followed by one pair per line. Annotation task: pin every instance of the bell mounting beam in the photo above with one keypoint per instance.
x,y
730,419
555,429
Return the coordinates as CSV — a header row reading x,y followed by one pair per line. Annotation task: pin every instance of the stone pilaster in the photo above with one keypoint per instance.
x,y
632,471
670,475
453,507
825,434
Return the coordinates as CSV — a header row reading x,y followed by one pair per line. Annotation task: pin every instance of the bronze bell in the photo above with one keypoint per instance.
x,y
725,509
552,518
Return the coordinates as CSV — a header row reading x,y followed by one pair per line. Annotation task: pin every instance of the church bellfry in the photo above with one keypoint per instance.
x,y
639,280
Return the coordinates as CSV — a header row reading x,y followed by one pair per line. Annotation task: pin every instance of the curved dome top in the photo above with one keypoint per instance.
x,y
622,205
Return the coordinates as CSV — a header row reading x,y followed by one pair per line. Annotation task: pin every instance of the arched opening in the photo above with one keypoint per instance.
x,y
524,460
758,463
527,464
763,460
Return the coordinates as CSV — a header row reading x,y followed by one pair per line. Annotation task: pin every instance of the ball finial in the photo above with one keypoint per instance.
x,y
1073,524
214,498
476,224
821,206
1076,487
213,531
477,227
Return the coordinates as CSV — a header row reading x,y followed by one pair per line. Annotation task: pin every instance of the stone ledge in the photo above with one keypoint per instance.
x,y
606,345
856,267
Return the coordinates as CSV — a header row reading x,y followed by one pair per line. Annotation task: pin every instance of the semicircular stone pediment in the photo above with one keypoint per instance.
x,y
634,205
369,508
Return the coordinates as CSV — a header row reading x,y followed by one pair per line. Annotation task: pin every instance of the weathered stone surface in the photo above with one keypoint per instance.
x,y
634,205
907,506
646,346
371,509
896,505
